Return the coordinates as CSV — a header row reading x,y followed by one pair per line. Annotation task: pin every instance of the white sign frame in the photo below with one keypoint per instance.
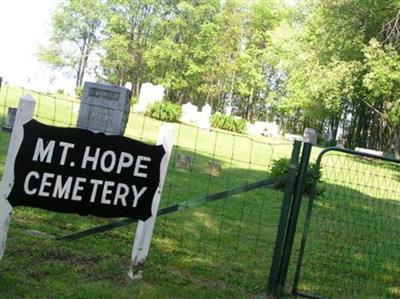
x,y
144,229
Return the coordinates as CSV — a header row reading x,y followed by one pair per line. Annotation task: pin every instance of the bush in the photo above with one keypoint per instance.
x,y
134,100
78,92
281,167
229,123
325,143
165,111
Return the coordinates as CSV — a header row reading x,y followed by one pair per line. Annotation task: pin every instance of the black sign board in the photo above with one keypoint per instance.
x,y
73,170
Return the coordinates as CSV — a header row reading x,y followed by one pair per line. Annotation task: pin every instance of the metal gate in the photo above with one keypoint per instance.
x,y
351,237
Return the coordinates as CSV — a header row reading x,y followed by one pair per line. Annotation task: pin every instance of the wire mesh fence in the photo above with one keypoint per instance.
x,y
234,236
353,232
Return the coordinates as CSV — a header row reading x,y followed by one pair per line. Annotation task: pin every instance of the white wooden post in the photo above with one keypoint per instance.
x,y
24,114
144,230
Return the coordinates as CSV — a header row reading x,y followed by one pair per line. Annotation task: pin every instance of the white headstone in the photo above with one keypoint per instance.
x,y
270,129
368,151
128,85
228,110
75,108
149,94
293,137
204,120
190,113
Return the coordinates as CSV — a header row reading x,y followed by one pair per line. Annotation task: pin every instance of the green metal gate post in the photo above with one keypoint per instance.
x,y
293,217
284,217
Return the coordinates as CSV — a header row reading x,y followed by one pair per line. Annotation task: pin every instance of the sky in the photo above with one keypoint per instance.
x,y
24,24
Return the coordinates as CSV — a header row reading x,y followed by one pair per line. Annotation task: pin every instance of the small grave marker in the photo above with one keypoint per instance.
x,y
183,162
369,151
10,119
214,168
310,136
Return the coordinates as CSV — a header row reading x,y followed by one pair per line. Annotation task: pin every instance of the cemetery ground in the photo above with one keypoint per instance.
x,y
219,250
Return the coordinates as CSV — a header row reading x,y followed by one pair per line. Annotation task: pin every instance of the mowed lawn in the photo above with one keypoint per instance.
x,y
219,250
222,249
353,242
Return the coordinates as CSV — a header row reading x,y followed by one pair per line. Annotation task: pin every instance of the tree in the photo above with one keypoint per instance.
x,y
181,49
128,36
76,32
338,71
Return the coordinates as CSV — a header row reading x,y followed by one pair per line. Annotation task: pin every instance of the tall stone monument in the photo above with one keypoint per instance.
x,y
104,108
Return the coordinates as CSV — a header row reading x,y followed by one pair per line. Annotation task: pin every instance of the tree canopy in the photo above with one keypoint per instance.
x,y
331,65
76,29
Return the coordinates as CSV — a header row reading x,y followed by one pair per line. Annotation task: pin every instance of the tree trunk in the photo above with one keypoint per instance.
x,y
334,126
78,82
396,142
85,60
249,105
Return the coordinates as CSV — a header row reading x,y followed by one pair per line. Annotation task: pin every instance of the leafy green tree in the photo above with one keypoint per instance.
x,y
382,81
76,32
337,70
129,34
180,53
220,73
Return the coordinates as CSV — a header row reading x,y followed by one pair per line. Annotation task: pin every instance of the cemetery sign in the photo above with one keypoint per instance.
x,y
73,170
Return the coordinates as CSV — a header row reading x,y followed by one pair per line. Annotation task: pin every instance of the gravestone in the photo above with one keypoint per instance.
x,y
310,136
204,118
190,113
149,94
369,151
75,108
213,168
183,162
269,129
293,137
128,85
11,114
104,108
228,110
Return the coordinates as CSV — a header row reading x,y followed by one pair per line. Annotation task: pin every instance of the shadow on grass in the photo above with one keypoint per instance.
x,y
352,244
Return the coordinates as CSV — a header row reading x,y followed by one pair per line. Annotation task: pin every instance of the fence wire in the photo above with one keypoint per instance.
x,y
352,247
232,237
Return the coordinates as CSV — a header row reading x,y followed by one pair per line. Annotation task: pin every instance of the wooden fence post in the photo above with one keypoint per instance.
x,y
144,230
24,114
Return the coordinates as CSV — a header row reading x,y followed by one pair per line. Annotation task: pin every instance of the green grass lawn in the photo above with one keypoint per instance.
x,y
219,250
352,248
